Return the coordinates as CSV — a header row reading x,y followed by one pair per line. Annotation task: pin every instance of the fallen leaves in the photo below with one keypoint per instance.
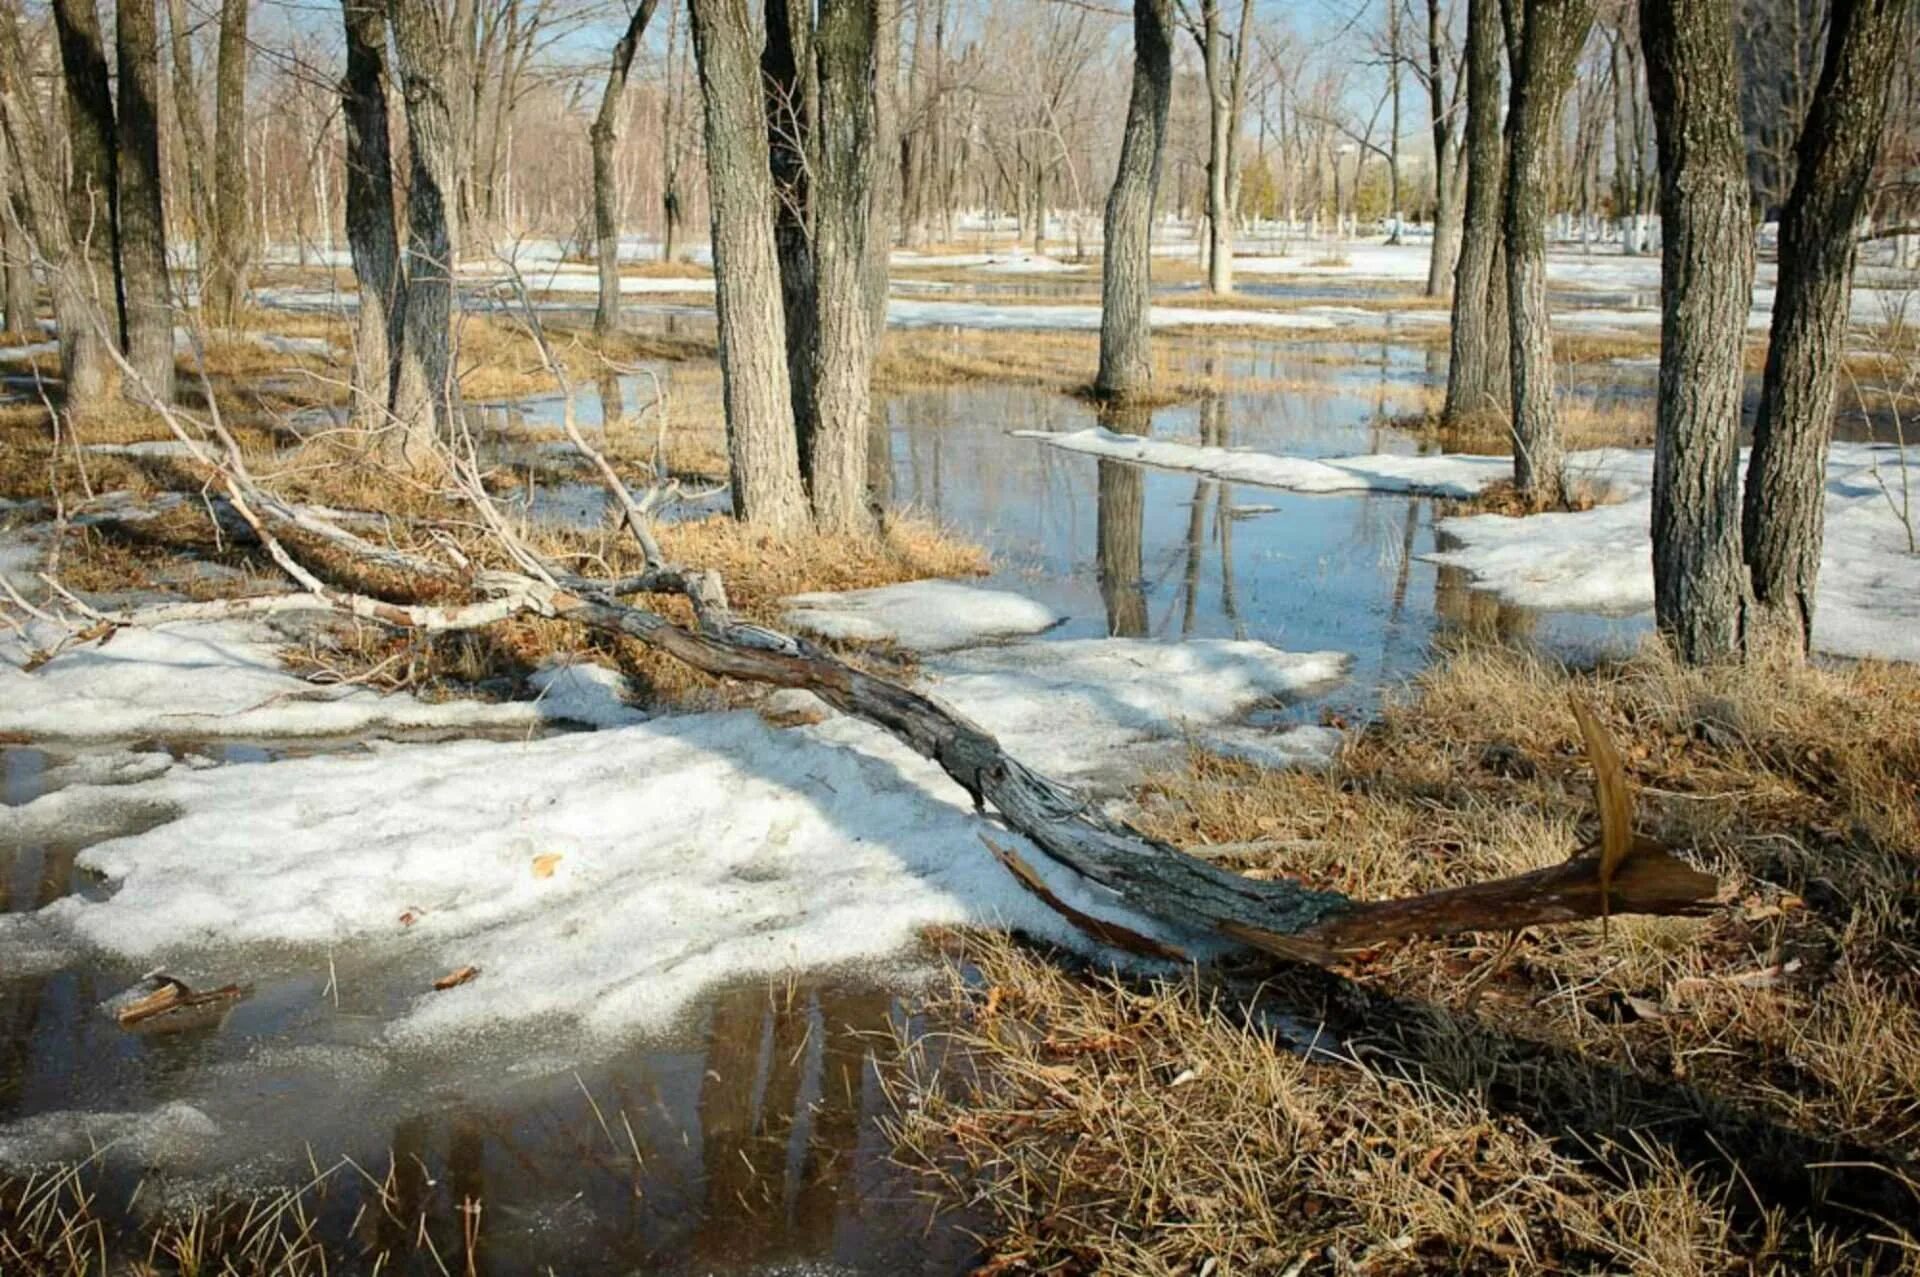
x,y
546,863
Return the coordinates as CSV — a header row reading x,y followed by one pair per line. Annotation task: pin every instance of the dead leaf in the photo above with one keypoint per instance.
x,y
411,916
1610,796
544,865
454,979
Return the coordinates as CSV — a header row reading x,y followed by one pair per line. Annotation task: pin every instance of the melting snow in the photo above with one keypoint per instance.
x,y
928,616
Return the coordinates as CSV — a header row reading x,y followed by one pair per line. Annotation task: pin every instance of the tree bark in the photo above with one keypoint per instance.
x,y
1786,475
606,183
1549,36
193,145
844,48
84,326
143,229
1477,370
792,90
16,272
1213,50
1706,286
93,215
1126,361
423,391
231,252
763,456
885,200
1446,185
372,236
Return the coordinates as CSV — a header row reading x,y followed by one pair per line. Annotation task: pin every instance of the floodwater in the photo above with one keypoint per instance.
x,y
747,1137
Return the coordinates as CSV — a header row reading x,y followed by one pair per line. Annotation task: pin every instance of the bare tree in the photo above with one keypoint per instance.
x,y
143,228
16,270
93,215
1443,105
231,252
1477,372
423,390
1706,285
1544,38
606,184
1785,495
86,350
1126,364
763,455
372,236
1223,59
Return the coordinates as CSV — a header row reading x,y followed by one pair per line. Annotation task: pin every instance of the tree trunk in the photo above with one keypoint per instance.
x,y
231,252
1120,517
1393,117
16,272
423,391
1549,36
792,150
606,183
844,49
193,145
1786,476
1219,134
1446,185
762,454
1477,376
92,197
84,326
885,200
670,142
1126,362
143,227
1706,286
372,237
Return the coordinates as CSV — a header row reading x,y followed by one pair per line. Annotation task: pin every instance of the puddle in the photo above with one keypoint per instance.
x,y
1121,549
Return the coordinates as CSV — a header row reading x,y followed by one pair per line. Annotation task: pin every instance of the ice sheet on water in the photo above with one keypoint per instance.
x,y
927,616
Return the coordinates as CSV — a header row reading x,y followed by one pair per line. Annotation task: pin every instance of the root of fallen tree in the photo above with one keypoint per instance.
x,y
1189,897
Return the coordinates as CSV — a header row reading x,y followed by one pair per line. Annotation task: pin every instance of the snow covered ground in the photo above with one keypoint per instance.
x,y
927,616
1601,559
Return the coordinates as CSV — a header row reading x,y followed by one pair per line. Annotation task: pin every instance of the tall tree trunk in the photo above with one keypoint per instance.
x,y
792,150
1549,36
1219,134
606,183
143,227
1393,125
423,390
372,236
84,325
1126,362
763,456
885,200
193,145
1706,286
231,251
670,150
1446,185
1786,476
93,214
16,271
1477,376
844,48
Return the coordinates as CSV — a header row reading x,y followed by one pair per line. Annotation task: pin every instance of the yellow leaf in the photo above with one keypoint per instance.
x,y
544,865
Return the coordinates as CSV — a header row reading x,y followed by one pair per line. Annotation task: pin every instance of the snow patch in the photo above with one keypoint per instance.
x,y
927,616
169,1133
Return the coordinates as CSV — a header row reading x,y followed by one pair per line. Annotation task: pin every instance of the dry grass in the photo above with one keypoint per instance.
x,y
1783,1029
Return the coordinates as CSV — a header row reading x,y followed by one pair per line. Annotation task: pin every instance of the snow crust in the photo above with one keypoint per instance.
x,y
210,679
928,616
1448,475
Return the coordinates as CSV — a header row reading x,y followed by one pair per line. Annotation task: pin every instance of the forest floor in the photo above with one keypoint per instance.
x,y
1734,1093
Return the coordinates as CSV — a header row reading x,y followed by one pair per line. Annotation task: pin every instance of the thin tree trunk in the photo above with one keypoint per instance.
x,y
1477,377
93,214
1393,137
84,326
232,247
423,391
143,227
1220,130
1446,185
885,199
606,183
670,141
1550,34
372,236
16,272
844,49
1126,362
193,145
763,457
1706,286
1786,476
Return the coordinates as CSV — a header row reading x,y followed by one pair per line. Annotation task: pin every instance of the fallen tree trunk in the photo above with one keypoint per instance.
x,y
1201,902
